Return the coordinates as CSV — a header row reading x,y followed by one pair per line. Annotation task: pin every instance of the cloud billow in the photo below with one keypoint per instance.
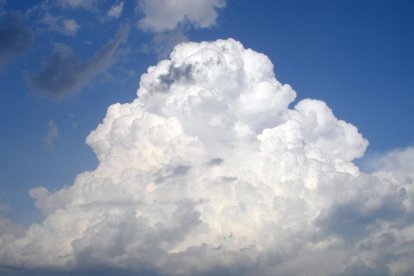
x,y
210,172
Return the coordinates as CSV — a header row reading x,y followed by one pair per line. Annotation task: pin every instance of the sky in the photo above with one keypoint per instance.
x,y
63,63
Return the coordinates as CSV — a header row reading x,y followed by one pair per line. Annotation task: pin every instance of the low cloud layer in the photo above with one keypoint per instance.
x,y
65,73
14,39
210,171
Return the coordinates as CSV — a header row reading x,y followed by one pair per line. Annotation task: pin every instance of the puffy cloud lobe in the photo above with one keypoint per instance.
x,y
65,73
209,171
166,15
14,39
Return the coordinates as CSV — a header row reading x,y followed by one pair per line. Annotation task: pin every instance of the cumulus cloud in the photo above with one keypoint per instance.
x,y
65,73
116,10
14,39
210,170
166,15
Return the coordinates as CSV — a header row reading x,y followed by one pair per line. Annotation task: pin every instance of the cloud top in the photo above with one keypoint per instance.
x,y
210,171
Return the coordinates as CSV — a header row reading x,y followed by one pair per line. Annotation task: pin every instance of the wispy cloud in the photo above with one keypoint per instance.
x,y
70,26
52,134
55,23
65,73
84,4
163,43
14,38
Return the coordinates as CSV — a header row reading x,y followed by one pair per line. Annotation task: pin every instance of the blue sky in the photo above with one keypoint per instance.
x,y
355,55
64,62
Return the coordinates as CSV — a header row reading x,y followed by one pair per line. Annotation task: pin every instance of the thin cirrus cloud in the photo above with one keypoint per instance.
x,y
14,39
163,43
210,171
65,73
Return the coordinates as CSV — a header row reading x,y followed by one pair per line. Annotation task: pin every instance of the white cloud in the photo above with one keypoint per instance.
x,y
70,26
116,10
166,15
52,133
58,24
51,21
210,171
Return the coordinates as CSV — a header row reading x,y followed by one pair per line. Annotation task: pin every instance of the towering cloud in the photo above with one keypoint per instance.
x,y
210,171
